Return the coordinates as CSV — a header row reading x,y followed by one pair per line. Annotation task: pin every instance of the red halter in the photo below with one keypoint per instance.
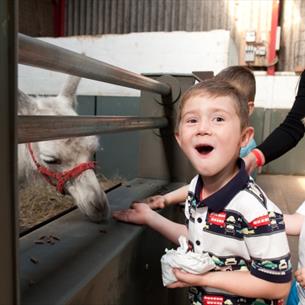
x,y
58,179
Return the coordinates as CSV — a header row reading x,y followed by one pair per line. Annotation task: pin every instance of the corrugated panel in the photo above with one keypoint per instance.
x,y
87,17
92,17
293,35
35,18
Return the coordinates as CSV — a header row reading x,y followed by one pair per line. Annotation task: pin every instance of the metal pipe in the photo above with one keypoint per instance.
x,y
42,128
9,226
38,53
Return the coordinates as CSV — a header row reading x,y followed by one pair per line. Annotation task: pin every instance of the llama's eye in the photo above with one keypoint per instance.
x,y
54,161
50,160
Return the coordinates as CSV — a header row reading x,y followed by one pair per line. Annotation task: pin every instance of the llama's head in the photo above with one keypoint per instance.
x,y
66,158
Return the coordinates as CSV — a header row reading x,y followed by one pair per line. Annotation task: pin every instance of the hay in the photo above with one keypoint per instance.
x,y
40,201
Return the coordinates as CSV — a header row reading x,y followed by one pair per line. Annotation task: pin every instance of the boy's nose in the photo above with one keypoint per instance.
x,y
204,128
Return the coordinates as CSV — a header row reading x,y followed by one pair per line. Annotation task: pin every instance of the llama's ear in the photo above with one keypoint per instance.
x,y
24,103
69,89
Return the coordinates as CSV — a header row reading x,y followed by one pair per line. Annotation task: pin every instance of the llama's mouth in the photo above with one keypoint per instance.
x,y
204,149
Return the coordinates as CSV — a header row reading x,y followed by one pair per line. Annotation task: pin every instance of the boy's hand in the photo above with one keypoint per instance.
x,y
139,213
186,279
300,276
156,202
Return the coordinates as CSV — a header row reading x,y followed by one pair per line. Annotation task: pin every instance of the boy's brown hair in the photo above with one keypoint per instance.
x,y
217,88
240,77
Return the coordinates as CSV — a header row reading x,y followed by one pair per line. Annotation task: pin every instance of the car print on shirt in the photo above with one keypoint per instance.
x,y
230,225
217,261
260,221
212,300
217,219
269,265
246,231
231,261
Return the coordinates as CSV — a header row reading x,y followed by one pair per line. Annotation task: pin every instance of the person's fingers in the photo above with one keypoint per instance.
x,y
134,205
300,277
184,277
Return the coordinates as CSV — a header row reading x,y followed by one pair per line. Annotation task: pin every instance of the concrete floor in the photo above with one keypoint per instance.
x,y
287,192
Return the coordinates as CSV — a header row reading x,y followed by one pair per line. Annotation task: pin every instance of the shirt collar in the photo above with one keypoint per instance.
x,y
218,201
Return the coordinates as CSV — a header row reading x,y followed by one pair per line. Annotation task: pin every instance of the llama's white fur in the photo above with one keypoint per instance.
x,y
85,188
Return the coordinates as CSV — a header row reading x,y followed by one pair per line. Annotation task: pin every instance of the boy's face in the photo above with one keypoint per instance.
x,y
210,134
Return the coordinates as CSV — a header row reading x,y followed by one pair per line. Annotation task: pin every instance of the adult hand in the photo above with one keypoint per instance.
x,y
139,213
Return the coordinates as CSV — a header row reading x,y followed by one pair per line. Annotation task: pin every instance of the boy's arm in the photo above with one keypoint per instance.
x,y
293,223
142,214
177,196
174,197
241,283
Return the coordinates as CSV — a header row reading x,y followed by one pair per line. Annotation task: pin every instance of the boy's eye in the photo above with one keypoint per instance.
x,y
191,120
218,119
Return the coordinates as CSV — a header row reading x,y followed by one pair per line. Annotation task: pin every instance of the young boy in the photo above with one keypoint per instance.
x,y
227,214
243,80
295,225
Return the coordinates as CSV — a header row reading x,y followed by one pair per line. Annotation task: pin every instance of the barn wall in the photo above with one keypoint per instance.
x,y
125,16
293,35
36,17
94,17
99,17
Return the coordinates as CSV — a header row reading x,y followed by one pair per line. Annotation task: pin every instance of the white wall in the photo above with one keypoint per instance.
x,y
276,91
157,52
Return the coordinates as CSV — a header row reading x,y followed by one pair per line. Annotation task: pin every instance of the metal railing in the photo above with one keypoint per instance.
x,y
38,53
35,52
43,128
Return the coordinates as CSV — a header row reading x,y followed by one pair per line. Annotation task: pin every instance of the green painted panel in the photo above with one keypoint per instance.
x,y
257,121
120,151
86,105
293,162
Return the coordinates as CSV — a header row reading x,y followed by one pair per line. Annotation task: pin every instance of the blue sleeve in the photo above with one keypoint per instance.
x,y
244,151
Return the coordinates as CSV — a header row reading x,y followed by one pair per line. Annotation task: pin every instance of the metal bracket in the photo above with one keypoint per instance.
x,y
175,86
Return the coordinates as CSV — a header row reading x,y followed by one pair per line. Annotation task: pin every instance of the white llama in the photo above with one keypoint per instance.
x,y
65,163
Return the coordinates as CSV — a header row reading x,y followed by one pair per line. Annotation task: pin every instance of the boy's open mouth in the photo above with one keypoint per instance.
x,y
204,149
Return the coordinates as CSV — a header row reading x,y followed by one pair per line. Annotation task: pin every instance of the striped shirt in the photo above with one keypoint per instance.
x,y
241,229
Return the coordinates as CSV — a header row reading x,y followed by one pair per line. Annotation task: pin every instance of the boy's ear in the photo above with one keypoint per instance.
x,y
246,136
178,138
250,107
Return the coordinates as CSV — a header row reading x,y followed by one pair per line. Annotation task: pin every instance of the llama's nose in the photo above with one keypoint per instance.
x,y
89,197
